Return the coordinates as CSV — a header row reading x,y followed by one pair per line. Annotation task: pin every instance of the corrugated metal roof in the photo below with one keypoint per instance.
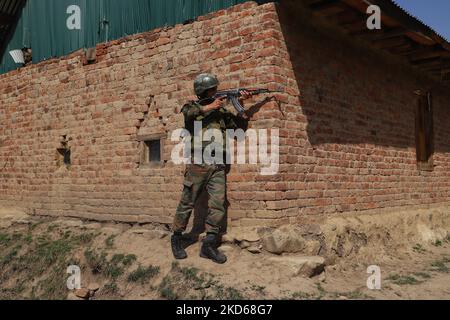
x,y
419,20
43,27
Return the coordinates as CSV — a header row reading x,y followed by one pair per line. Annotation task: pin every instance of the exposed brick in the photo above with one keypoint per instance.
x,y
346,126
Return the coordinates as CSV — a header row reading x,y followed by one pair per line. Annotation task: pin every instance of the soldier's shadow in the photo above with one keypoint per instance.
x,y
200,215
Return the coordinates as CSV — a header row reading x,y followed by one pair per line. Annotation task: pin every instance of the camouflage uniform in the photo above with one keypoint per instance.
x,y
212,177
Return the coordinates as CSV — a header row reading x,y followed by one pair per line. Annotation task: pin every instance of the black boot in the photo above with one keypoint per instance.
x,y
177,248
209,250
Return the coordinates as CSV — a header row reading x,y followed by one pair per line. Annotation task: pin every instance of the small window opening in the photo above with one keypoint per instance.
x,y
64,157
63,153
424,132
151,151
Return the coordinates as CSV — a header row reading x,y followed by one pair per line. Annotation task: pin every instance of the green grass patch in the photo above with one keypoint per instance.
x,y
113,268
419,248
109,242
403,280
190,283
301,296
422,275
440,266
143,275
40,262
438,243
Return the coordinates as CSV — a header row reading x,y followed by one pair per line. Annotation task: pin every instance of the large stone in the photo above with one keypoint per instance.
x,y
254,250
246,234
93,287
284,239
244,244
226,238
301,265
312,247
156,234
72,297
82,293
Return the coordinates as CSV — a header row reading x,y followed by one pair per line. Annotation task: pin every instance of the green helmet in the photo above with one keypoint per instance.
x,y
204,82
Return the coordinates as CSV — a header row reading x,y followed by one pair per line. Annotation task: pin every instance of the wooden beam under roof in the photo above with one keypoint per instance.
x,y
5,19
324,4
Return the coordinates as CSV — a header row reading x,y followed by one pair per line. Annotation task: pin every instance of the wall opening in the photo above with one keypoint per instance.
x,y
424,132
151,151
64,157
63,154
153,148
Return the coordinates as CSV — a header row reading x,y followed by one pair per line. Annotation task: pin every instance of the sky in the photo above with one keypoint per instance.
x,y
434,13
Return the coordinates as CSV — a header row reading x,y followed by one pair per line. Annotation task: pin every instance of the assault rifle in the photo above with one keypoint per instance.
x,y
234,95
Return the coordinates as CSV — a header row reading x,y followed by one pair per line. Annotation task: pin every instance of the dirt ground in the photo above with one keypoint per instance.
x,y
120,261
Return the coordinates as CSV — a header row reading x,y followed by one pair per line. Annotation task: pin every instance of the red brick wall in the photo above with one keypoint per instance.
x,y
136,88
346,144
351,134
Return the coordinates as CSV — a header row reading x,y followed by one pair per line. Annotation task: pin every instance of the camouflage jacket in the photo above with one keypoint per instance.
x,y
220,119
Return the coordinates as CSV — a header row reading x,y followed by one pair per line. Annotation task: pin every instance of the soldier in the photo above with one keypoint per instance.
x,y
212,114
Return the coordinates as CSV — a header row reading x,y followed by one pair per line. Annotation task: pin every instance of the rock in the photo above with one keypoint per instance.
x,y
312,247
226,238
284,239
343,298
330,260
244,245
245,234
313,229
93,287
302,265
322,277
72,297
158,234
254,250
82,293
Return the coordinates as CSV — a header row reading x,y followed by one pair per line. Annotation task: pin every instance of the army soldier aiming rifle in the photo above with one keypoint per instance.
x,y
213,115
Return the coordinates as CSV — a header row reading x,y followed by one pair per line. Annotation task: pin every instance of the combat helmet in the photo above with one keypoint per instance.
x,y
204,82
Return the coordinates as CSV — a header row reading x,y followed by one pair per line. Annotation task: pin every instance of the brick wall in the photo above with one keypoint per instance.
x,y
350,137
346,132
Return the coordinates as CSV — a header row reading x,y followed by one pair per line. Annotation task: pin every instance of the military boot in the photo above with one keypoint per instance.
x,y
177,247
209,250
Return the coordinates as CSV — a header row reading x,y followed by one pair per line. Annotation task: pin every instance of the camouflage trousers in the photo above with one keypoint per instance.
x,y
196,179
